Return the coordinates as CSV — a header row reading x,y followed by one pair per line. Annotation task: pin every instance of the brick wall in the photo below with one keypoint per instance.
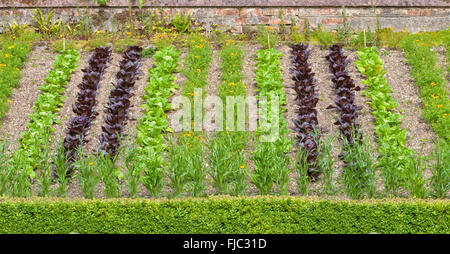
x,y
244,15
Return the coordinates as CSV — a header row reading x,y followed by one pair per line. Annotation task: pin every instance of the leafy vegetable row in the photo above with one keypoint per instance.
x,y
12,58
154,122
84,107
344,87
119,101
395,157
306,99
271,162
45,110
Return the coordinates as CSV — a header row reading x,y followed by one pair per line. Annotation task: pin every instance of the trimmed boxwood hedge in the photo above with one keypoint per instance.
x,y
223,214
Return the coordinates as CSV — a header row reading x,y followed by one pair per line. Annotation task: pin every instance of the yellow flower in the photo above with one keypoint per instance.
x,y
199,70
435,66
90,163
440,105
230,91
445,114
404,29
128,33
2,65
232,84
7,55
11,47
242,166
99,32
187,134
9,101
197,56
433,84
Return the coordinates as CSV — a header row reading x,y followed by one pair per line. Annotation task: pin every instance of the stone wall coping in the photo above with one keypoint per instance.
x,y
226,3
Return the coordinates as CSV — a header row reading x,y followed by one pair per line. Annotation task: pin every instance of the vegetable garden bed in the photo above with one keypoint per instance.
x,y
368,123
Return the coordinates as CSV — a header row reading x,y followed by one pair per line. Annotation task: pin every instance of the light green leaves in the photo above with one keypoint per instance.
x,y
46,107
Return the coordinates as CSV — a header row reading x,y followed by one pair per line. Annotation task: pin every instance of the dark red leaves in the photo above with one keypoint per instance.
x,y
306,121
119,101
345,88
84,107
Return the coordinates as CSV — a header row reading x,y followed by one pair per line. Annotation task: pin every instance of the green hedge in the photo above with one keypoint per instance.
x,y
223,215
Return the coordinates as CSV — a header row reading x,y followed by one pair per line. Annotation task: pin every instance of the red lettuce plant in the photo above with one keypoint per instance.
x,y
306,99
119,101
84,107
345,87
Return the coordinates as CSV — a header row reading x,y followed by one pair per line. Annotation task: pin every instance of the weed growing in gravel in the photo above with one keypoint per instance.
x,y
227,164
440,181
60,167
20,184
44,173
5,162
414,176
134,169
359,171
109,174
301,169
267,37
87,173
153,175
324,163
185,169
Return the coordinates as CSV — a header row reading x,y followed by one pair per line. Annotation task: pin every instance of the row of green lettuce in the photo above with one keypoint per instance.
x,y
224,215
395,160
271,142
154,123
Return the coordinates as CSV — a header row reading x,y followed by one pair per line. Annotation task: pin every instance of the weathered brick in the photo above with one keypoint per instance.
x,y
241,21
231,12
332,21
327,11
264,20
419,12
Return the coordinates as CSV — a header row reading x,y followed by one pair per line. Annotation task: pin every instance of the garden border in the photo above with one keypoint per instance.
x,y
224,214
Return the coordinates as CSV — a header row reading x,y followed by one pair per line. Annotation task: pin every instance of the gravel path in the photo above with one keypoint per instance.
x,y
420,137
